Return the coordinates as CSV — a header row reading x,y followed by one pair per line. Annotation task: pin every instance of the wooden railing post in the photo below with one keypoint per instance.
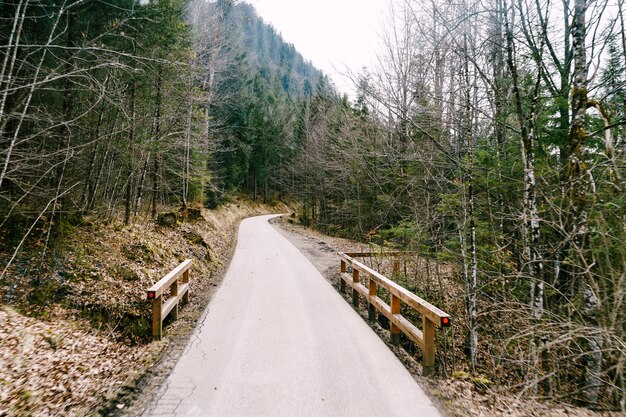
x,y
342,283
157,324
395,330
428,331
174,293
373,292
355,279
186,281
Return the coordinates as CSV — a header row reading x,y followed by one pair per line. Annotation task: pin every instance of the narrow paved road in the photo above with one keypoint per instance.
x,y
277,340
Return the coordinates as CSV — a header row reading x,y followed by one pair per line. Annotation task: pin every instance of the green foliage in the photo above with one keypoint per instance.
x,y
78,130
257,144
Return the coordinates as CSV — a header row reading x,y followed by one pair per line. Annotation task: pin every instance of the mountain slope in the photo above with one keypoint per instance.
x,y
273,57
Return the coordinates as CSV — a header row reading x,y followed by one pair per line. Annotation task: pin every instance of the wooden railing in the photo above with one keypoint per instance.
x,y
177,282
432,317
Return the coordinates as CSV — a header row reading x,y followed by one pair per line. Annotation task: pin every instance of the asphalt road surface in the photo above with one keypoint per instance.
x,y
278,340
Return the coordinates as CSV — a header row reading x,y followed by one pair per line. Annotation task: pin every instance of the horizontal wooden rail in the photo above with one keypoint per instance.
x,y
380,254
432,317
177,291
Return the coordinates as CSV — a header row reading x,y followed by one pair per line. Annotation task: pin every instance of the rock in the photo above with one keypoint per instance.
x,y
195,238
168,219
191,214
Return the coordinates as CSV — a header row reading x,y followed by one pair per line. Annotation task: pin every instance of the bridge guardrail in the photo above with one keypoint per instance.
x,y
178,291
432,316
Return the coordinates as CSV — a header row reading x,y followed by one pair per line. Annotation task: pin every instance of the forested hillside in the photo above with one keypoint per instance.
x,y
118,108
256,83
490,138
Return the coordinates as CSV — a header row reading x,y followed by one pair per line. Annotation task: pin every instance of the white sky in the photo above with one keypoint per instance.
x,y
333,34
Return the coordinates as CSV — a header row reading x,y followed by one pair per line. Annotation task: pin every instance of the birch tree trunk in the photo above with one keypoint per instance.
x,y
578,184
530,223
469,173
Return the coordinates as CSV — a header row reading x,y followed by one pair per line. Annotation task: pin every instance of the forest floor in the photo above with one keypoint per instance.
x,y
75,327
460,394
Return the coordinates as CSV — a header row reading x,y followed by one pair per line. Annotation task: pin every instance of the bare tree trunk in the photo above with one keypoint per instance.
x,y
500,97
6,77
89,184
26,108
140,186
621,7
187,153
108,186
113,199
157,132
131,171
96,184
473,264
578,184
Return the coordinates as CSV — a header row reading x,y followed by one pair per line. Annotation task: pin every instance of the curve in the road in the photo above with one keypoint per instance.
x,y
278,340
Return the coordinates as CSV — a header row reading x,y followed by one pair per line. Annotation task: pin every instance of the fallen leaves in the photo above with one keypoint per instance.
x,y
50,369
460,398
